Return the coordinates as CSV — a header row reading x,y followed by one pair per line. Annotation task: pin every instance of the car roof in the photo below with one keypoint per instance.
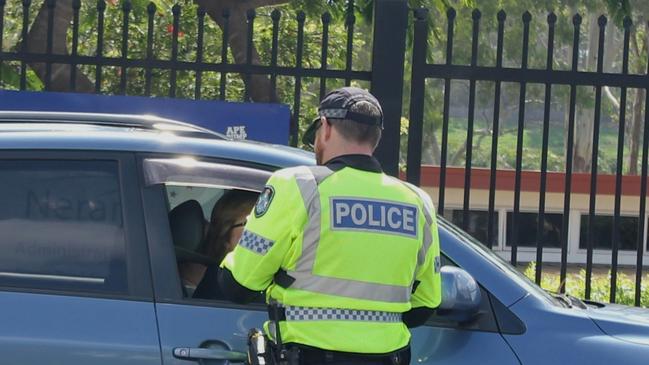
x,y
119,132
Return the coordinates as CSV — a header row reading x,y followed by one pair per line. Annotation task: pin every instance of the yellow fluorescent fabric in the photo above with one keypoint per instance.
x,y
369,238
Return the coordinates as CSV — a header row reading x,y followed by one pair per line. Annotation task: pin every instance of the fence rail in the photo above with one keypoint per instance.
x,y
422,70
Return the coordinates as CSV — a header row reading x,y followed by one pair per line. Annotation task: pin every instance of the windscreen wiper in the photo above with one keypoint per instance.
x,y
563,298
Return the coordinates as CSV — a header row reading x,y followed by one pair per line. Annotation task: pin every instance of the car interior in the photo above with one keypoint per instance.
x,y
190,210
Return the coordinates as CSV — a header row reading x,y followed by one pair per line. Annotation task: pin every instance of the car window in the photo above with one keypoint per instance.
x,y
61,226
206,223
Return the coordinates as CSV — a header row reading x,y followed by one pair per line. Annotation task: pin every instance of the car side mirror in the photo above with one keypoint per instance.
x,y
460,295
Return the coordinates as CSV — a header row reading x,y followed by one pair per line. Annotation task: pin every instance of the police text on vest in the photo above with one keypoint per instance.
x,y
373,215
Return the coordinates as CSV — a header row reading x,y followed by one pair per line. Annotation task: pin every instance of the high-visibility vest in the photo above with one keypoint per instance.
x,y
362,248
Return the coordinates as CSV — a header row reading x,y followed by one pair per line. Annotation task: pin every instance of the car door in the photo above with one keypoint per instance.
x,y
207,331
74,276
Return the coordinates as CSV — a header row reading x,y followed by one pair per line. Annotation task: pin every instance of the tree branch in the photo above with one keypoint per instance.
x,y
611,97
253,4
259,85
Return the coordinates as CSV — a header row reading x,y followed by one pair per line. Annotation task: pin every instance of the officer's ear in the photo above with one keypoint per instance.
x,y
327,128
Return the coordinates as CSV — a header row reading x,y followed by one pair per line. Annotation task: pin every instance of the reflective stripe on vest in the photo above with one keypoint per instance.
x,y
307,180
294,313
428,213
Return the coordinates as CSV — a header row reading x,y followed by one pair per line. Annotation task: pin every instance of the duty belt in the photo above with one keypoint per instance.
x,y
295,313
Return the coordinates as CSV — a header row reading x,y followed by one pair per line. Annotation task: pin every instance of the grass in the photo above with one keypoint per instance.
x,y
600,285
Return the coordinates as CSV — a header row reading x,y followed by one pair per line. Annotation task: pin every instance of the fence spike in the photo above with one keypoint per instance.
x,y
127,6
627,22
476,14
576,19
276,14
101,5
326,17
350,19
451,13
226,13
200,12
51,4
552,18
151,8
421,14
502,15
301,16
251,14
602,21
527,17
175,10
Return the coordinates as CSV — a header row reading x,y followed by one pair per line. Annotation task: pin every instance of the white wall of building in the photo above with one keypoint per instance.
x,y
479,200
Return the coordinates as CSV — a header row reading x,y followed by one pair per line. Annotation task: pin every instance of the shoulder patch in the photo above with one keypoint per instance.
x,y
264,200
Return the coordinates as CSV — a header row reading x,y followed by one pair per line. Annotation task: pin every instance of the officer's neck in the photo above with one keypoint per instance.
x,y
341,149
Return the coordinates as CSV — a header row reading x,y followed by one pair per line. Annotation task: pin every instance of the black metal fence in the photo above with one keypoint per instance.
x,y
389,34
422,70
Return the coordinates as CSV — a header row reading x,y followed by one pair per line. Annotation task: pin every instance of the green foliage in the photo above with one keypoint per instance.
x,y
600,285
11,78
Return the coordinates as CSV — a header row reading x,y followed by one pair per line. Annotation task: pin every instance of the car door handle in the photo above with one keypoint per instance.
x,y
193,353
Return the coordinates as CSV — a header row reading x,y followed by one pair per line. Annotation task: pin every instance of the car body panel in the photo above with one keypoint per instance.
x,y
104,138
65,329
556,335
623,322
213,326
439,345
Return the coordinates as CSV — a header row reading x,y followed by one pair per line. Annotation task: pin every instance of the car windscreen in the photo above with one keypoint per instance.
x,y
496,260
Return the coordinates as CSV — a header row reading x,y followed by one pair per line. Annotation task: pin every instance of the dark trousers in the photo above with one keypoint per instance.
x,y
314,356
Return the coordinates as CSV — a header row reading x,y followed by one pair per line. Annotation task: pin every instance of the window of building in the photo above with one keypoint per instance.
x,y
603,232
528,228
61,226
476,225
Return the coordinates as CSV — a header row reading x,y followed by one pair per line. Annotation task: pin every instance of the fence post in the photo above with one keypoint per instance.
x,y
388,55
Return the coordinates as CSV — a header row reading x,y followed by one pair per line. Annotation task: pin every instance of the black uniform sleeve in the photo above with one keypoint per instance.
x,y
417,316
232,290
209,287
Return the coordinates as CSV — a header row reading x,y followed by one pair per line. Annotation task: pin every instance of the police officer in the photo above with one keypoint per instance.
x,y
348,253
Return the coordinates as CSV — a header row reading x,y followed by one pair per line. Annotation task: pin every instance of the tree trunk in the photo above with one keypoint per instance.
x,y
260,88
37,43
636,136
430,151
584,117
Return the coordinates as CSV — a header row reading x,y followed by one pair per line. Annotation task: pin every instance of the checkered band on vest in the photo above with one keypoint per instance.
x,y
335,314
255,242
